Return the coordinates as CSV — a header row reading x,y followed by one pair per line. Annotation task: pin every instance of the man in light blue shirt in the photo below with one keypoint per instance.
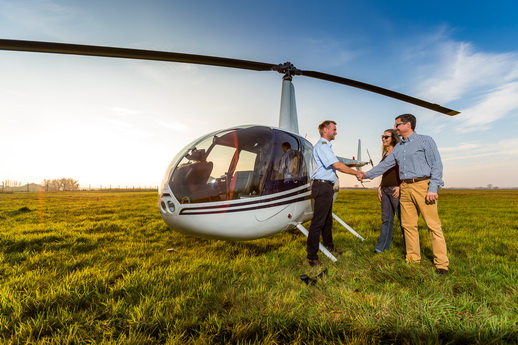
x,y
325,165
420,170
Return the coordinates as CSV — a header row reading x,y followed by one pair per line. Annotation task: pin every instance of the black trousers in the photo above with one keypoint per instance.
x,y
322,221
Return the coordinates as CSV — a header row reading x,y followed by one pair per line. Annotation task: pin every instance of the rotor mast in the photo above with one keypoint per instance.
x,y
288,118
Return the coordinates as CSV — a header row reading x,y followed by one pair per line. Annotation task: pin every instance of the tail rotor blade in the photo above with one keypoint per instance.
x,y
370,159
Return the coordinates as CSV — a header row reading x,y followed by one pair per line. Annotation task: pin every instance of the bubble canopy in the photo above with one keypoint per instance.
x,y
237,163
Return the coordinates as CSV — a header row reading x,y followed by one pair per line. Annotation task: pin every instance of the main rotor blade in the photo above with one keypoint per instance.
x,y
380,90
78,49
287,68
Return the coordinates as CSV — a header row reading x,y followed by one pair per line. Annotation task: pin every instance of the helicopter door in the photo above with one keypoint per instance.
x,y
290,163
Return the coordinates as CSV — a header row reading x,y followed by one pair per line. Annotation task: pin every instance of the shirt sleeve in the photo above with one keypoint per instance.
x,y
383,166
433,158
327,157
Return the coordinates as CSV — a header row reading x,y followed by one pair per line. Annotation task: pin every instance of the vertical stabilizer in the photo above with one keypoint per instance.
x,y
288,114
359,157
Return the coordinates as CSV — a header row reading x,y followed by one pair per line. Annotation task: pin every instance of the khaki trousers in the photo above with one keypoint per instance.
x,y
413,203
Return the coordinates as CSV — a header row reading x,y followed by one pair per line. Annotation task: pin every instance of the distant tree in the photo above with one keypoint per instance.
x,y
46,184
10,183
63,184
69,184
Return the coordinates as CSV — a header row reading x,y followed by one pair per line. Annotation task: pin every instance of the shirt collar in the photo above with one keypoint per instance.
x,y
409,139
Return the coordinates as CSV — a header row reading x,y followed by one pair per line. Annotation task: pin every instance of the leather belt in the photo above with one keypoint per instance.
x,y
325,181
417,179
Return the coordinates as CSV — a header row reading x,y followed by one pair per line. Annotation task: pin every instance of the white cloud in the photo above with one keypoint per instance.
x,y
503,150
483,85
461,70
496,104
459,148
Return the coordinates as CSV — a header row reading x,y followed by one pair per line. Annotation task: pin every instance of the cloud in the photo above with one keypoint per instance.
x,y
480,154
462,70
483,85
497,104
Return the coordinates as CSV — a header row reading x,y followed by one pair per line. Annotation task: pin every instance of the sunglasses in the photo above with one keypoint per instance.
x,y
400,123
386,136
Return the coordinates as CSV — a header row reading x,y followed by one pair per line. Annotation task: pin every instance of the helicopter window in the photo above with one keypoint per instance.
x,y
290,163
227,165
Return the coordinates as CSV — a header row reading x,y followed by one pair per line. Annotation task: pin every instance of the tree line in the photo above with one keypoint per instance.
x,y
62,184
55,185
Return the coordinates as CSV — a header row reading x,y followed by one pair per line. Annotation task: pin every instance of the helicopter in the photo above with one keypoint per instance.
x,y
241,183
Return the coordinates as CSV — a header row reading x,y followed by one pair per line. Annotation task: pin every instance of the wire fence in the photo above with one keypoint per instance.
x,y
33,187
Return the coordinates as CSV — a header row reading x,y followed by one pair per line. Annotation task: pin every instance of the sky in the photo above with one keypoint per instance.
x,y
119,122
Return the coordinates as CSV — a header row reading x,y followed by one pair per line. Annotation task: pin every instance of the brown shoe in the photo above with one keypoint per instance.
x,y
314,262
442,271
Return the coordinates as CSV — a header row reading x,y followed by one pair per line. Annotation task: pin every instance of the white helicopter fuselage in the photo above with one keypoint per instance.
x,y
241,183
240,220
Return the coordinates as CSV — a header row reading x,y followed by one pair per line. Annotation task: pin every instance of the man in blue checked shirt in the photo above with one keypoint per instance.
x,y
420,170
325,165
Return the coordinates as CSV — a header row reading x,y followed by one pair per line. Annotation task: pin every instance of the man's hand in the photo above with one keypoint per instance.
x,y
360,175
431,197
396,192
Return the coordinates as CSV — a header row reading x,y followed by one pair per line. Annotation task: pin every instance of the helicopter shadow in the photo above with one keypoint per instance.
x,y
250,249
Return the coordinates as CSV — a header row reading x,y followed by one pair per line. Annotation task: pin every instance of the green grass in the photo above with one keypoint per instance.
x,y
92,267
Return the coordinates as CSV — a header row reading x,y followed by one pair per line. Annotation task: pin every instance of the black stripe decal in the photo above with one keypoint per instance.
x,y
228,210
230,205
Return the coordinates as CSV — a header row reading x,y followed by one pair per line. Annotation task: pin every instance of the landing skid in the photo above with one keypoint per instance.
x,y
351,230
320,246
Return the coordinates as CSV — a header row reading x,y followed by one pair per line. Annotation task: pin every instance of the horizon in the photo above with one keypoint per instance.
x,y
136,186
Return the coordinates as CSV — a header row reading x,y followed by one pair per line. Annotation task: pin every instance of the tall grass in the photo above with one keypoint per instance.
x,y
102,268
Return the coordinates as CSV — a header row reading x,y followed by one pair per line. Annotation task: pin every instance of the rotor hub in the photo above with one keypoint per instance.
x,y
288,69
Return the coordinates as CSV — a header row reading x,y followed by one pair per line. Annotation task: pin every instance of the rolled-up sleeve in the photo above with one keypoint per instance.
x,y
383,166
433,158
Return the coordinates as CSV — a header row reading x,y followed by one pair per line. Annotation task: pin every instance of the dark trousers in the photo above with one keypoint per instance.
x,y
322,221
389,207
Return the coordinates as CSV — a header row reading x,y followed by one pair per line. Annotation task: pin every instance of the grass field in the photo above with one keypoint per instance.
x,y
92,267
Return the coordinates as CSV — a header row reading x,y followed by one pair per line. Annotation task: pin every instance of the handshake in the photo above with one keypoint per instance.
x,y
360,175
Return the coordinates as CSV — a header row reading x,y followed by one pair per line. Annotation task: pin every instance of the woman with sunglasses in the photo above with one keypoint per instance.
x,y
388,193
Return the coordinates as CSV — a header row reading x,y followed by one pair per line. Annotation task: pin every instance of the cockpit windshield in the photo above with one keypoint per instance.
x,y
239,163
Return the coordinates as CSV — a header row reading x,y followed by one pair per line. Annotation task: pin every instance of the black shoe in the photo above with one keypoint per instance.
x,y
441,271
314,262
308,280
334,251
